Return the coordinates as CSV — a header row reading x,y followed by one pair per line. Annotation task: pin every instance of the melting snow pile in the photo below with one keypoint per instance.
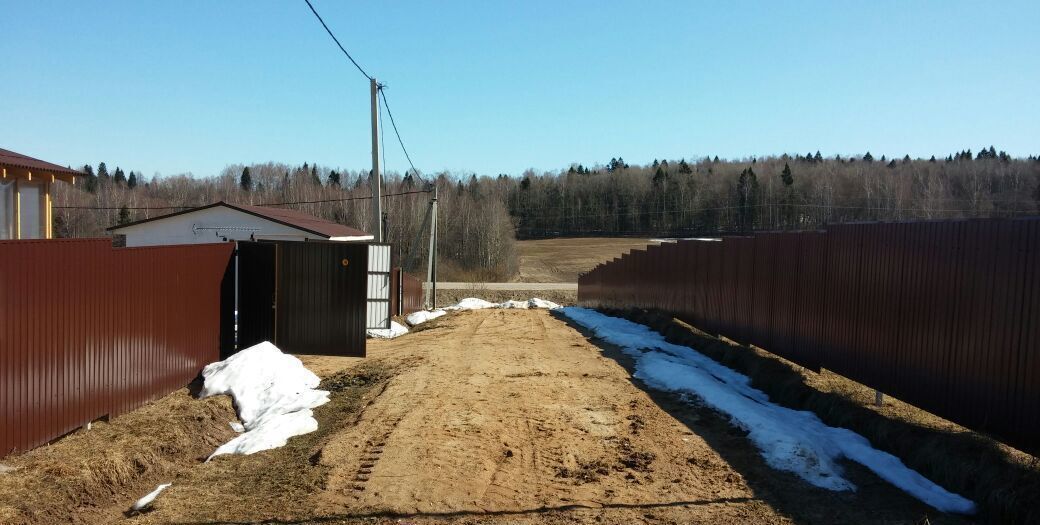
x,y
396,330
147,499
789,440
420,317
273,392
472,303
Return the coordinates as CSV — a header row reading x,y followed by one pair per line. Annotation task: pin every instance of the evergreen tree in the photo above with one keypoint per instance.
x,y
786,177
747,190
124,215
684,168
906,159
659,177
131,182
932,160
818,157
102,172
314,175
868,157
716,159
120,177
334,179
892,164
246,180
92,180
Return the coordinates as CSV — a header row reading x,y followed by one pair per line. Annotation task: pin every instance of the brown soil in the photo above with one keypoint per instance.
x,y
499,416
562,260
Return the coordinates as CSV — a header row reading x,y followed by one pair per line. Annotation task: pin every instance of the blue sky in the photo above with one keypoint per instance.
x,y
498,87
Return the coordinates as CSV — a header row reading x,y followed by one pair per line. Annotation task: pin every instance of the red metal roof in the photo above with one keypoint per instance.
x,y
291,218
17,160
301,220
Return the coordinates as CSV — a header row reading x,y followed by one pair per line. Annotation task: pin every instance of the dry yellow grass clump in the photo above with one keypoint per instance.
x,y
75,478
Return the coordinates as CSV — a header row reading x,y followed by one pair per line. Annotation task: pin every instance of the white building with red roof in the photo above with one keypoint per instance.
x,y
223,221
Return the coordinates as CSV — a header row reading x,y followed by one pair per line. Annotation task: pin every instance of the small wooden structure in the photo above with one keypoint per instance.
x,y
25,195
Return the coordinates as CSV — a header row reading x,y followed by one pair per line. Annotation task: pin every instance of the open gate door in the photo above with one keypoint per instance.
x,y
305,297
256,293
321,298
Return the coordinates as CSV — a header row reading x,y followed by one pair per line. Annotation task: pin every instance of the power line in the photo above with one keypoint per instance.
x,y
382,93
341,48
345,199
617,213
380,87
286,203
121,207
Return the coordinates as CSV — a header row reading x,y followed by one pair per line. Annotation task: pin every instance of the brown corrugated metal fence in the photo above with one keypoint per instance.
x,y
943,315
407,293
87,330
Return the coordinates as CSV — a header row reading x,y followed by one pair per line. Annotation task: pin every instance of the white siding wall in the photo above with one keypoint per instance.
x,y
378,286
178,229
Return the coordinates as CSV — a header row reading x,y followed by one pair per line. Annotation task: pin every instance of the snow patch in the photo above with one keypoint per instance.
x,y
396,330
472,303
542,303
420,317
523,305
789,440
147,499
273,392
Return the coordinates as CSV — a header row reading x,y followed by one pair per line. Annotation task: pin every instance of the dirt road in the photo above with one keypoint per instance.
x,y
506,416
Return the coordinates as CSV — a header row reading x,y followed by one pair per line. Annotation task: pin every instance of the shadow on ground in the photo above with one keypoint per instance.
x,y
397,516
875,501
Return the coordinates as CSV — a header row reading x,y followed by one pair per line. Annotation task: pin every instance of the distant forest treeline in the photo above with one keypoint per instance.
x,y
481,217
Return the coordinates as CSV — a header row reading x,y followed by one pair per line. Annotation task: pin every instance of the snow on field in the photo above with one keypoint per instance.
x,y
396,330
789,440
472,303
273,392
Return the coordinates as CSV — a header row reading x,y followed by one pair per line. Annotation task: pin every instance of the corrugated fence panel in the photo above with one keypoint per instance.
x,y
944,315
88,331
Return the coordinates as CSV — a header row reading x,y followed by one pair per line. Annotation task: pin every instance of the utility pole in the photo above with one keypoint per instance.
x,y
431,268
375,180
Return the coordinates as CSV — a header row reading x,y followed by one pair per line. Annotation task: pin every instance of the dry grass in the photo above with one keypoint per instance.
x,y
562,297
279,483
1004,482
72,479
562,260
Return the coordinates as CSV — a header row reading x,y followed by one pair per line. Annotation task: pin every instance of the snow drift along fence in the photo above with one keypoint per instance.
x,y
88,330
942,315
